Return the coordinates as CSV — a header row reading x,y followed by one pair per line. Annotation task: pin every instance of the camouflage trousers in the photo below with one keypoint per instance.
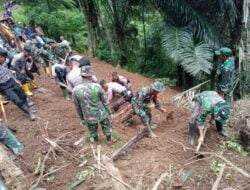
x,y
143,111
106,128
9,140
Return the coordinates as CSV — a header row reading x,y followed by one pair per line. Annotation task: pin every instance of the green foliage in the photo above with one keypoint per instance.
x,y
182,49
233,144
215,166
103,52
86,173
167,81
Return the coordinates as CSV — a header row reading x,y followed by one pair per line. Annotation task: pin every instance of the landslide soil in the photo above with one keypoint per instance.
x,y
145,161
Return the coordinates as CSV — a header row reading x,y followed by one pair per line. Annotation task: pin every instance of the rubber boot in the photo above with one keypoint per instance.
x,y
47,70
108,138
220,129
26,90
29,102
192,134
26,109
33,84
65,94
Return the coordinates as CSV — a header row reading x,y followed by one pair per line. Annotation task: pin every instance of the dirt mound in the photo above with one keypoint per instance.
x,y
145,162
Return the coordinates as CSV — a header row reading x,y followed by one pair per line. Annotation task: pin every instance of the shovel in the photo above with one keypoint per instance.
x,y
199,145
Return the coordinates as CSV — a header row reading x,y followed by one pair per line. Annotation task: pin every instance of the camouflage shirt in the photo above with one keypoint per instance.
x,y
207,101
225,75
145,96
60,50
91,102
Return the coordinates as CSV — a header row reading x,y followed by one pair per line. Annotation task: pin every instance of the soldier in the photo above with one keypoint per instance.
x,y
92,106
59,50
9,140
205,103
140,104
225,74
113,88
121,80
11,88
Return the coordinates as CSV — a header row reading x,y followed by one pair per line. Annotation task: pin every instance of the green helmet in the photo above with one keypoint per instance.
x,y
157,86
224,51
222,112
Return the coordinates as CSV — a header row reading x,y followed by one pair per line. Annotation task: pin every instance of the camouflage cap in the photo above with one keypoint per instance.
x,y
48,41
87,71
222,113
114,74
157,86
27,48
223,51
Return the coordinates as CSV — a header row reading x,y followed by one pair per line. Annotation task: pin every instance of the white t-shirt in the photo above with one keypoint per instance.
x,y
74,78
113,88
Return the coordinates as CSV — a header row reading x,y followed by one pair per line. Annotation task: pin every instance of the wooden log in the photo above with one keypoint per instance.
x,y
111,169
216,183
130,143
14,177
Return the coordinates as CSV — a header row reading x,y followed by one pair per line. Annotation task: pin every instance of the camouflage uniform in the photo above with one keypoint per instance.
x,y
8,139
225,77
92,107
140,104
205,103
59,51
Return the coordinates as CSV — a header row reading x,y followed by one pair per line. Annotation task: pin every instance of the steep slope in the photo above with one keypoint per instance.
x,y
146,161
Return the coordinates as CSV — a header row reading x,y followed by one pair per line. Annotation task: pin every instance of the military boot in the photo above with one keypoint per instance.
x,y
109,139
27,90
192,134
220,129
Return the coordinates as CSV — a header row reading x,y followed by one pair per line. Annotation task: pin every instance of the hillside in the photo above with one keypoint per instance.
x,y
144,163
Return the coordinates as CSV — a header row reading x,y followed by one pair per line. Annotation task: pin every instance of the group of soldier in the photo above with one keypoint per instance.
x,y
76,78
92,98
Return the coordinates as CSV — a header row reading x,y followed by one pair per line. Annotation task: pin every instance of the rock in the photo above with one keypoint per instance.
x,y
42,90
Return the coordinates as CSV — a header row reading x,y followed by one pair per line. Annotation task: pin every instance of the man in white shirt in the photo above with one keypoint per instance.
x,y
74,78
112,89
121,80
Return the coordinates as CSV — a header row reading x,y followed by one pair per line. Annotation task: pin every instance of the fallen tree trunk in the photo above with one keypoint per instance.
x,y
124,114
14,177
130,143
109,166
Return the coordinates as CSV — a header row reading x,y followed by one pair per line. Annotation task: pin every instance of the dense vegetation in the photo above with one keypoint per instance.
x,y
171,39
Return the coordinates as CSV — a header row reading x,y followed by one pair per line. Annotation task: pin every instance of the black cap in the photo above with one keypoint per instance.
x,y
3,53
102,82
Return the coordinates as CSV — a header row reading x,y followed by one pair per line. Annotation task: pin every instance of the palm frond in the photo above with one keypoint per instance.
x,y
180,47
196,58
174,39
182,13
